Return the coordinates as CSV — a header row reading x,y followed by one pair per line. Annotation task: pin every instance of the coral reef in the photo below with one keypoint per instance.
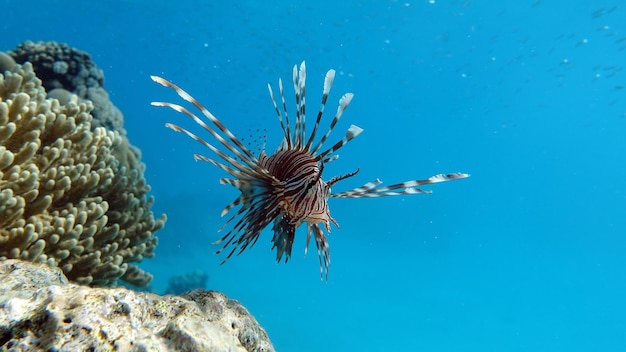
x,y
64,71
41,311
178,284
71,195
6,62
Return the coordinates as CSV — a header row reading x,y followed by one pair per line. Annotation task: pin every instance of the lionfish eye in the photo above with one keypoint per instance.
x,y
310,186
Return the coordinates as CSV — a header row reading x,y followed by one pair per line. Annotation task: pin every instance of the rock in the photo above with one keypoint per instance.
x,y
40,310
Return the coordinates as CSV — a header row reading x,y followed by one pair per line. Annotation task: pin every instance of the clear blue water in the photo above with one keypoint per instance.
x,y
529,254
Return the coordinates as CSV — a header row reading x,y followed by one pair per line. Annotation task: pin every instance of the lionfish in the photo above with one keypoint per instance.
x,y
285,188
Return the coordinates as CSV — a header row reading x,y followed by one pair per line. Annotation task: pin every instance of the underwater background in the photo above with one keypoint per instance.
x,y
528,254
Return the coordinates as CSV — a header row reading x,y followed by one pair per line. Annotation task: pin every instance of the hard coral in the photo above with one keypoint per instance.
x,y
64,70
65,198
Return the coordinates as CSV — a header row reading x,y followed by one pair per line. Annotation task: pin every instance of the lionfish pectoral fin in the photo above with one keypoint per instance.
x,y
284,233
448,177
371,189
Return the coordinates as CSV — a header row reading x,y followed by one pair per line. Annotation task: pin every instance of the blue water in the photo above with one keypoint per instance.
x,y
529,254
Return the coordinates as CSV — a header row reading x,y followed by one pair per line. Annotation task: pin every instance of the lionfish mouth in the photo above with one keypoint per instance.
x,y
285,188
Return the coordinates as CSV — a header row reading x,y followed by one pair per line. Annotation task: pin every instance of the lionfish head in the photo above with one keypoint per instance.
x,y
285,188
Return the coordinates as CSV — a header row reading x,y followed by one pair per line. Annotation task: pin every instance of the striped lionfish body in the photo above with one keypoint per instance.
x,y
286,188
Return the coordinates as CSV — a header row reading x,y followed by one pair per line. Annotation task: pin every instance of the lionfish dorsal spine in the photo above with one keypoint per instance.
x,y
284,124
352,132
343,105
296,88
328,83
286,127
299,85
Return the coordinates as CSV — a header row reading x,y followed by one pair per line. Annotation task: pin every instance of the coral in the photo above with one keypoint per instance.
x,y
6,62
70,196
60,66
41,311
178,284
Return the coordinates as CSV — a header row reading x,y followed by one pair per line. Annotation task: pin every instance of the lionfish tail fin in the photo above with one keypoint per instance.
x,y
284,234
371,189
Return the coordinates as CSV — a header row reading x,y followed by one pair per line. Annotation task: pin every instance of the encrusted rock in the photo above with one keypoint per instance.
x,y
41,311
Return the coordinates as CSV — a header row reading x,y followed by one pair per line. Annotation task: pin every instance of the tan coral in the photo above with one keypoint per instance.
x,y
65,198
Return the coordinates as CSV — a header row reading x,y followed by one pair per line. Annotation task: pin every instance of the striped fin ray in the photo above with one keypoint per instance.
x,y
239,184
254,193
237,228
323,249
244,174
236,164
343,104
296,88
328,83
284,234
251,159
299,80
252,209
302,84
284,101
283,125
246,231
370,190
351,133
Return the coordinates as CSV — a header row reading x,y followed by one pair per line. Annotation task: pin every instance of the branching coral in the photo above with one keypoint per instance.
x,y
65,197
